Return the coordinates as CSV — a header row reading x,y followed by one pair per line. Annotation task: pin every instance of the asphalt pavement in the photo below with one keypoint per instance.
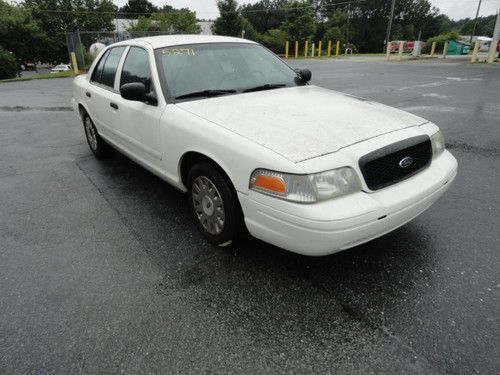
x,y
103,271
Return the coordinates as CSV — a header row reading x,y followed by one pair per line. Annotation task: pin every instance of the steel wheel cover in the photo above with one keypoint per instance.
x,y
91,133
208,205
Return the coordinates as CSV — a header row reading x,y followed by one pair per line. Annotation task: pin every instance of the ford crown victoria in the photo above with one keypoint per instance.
x,y
255,145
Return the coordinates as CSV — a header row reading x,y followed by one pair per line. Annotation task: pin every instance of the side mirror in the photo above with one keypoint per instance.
x,y
137,91
303,76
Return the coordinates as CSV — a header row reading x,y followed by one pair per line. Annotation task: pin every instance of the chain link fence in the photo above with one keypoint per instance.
x,y
87,44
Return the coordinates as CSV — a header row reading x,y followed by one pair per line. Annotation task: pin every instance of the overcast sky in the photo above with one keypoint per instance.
x,y
455,9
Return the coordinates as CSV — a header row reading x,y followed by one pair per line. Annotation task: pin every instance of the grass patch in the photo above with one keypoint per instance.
x,y
41,76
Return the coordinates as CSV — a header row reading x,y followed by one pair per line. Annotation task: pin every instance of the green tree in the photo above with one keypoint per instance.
x,y
19,33
229,21
265,14
335,27
367,20
174,21
250,32
485,25
299,21
435,25
136,8
56,17
8,64
334,34
275,40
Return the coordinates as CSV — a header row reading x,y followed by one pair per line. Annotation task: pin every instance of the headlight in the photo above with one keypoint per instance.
x,y
305,188
437,142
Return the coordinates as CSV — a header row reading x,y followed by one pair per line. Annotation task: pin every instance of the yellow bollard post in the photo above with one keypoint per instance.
x,y
400,52
433,48
493,51
74,62
445,50
287,47
296,49
319,48
312,49
329,51
473,58
388,51
306,48
337,51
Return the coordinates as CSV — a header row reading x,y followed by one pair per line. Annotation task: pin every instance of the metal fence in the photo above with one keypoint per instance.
x,y
87,44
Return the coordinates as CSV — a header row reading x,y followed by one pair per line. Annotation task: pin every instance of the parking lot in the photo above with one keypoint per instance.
x,y
102,269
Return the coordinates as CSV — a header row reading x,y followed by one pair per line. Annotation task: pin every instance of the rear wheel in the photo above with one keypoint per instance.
x,y
97,145
213,204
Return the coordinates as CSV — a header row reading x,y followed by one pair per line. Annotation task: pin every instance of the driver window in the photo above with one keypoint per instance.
x,y
136,68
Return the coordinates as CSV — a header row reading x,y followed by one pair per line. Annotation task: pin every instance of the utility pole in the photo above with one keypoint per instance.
x,y
389,25
347,24
475,22
495,41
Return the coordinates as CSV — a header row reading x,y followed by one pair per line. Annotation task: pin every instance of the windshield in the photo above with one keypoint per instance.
x,y
221,68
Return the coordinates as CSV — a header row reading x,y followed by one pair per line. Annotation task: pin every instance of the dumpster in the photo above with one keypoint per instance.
x,y
458,48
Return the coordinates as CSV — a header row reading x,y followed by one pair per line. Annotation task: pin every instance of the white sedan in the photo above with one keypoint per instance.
x,y
254,145
60,68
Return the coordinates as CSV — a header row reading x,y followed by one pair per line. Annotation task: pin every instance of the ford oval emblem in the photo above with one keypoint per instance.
x,y
406,162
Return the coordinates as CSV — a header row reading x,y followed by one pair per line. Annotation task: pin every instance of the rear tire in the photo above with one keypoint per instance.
x,y
214,204
97,145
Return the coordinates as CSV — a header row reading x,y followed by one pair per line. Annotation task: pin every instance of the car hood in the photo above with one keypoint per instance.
x,y
301,122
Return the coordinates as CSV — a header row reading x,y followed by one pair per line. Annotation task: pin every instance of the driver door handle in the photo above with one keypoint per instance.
x,y
113,105
88,94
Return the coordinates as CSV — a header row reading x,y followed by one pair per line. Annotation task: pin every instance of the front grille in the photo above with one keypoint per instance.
x,y
388,165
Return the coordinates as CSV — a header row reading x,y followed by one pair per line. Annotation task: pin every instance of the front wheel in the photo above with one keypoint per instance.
x,y
213,204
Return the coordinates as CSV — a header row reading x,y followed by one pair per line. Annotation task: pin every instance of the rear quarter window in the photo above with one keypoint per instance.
x,y
96,74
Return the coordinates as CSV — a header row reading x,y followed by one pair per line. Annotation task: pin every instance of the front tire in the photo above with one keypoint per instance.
x,y
213,204
97,145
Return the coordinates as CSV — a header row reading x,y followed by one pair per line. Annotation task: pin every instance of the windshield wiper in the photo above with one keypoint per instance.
x,y
267,86
205,93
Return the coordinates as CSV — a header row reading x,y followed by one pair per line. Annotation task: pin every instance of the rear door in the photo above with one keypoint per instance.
x,y
137,124
101,95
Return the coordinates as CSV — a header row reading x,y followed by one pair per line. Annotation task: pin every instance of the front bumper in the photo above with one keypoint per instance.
x,y
327,227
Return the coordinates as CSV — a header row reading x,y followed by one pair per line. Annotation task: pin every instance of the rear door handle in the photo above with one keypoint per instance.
x,y
88,94
113,105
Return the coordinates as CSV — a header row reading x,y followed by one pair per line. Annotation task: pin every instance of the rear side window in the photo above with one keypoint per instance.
x,y
110,66
96,74
136,68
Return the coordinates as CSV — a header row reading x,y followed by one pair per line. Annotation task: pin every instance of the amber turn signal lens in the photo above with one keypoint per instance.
x,y
275,184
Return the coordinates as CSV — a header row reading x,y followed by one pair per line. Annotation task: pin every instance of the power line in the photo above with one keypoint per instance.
x,y
202,12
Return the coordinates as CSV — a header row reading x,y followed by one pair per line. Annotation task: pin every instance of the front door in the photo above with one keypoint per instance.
x,y
137,124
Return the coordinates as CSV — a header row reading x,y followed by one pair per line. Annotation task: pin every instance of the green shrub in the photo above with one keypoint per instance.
x,y
250,32
8,64
275,40
333,34
440,39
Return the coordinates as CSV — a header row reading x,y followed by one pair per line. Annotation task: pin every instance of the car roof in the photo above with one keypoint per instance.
x,y
174,40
